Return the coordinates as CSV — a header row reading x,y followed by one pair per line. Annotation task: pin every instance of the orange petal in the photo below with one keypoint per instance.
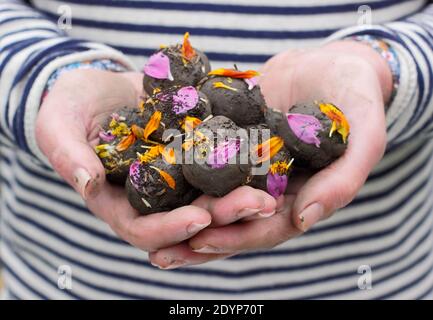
x,y
221,85
137,131
189,123
188,51
167,177
153,124
234,73
268,149
168,154
126,142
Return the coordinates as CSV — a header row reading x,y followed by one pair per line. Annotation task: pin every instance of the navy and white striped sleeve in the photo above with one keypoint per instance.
x,y
31,48
410,116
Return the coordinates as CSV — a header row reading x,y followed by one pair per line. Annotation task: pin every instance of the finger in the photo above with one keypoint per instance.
x,y
337,185
152,231
181,255
252,235
240,203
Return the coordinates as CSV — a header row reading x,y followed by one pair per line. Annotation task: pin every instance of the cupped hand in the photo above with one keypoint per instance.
x,y
356,79
67,130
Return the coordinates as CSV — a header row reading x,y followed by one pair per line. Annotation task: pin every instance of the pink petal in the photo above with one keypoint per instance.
x,y
158,67
220,156
106,136
185,99
276,184
305,127
252,82
134,174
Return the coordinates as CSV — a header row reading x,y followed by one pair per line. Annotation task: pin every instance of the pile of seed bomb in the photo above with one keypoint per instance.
x,y
201,131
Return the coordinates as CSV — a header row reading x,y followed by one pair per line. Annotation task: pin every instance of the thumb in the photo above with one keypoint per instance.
x,y
62,136
337,185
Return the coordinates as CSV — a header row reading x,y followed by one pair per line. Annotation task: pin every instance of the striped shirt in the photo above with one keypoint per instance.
x,y
45,224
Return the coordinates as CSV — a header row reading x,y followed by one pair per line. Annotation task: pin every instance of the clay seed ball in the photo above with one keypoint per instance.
x,y
274,176
118,145
315,133
213,163
157,186
237,99
175,65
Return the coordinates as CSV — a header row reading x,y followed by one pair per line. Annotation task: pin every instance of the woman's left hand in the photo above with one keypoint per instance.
x,y
353,77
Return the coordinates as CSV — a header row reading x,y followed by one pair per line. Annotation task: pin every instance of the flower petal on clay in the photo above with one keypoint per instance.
x,y
153,124
158,67
305,127
234,73
266,150
252,82
276,184
221,85
168,154
106,136
222,153
166,176
185,99
125,143
339,121
134,173
189,123
150,154
188,51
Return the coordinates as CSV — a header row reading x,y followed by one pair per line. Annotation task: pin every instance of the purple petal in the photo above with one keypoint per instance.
x,y
134,174
305,127
252,82
185,99
106,136
158,67
221,155
276,184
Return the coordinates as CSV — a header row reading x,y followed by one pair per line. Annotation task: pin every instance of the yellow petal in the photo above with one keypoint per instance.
x,y
150,155
268,149
281,167
168,154
221,85
188,51
153,124
339,121
234,73
189,123
137,131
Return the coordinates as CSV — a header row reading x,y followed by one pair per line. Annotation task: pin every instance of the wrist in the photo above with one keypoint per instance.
x,y
368,54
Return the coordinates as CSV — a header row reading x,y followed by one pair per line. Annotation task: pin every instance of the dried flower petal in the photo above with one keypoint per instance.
x,y
185,99
189,123
158,67
280,167
106,136
222,153
221,85
268,149
167,177
153,124
234,73
125,143
137,131
276,184
305,127
188,51
339,121
168,154
134,174
252,82
150,154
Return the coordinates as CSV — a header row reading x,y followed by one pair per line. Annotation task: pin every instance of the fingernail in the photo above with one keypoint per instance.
x,y
310,215
246,212
207,249
173,265
260,215
82,179
193,228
